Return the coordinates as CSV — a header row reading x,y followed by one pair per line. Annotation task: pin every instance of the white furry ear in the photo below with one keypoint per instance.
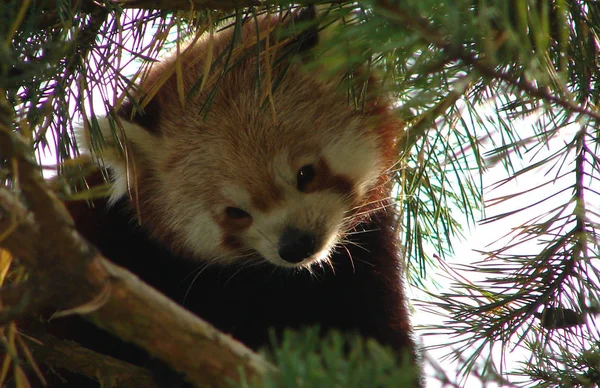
x,y
118,145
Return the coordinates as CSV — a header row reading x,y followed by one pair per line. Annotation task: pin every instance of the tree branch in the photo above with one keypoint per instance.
x,y
483,67
109,371
166,5
187,4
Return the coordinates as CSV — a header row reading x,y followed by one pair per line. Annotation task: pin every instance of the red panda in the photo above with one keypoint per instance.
x,y
259,201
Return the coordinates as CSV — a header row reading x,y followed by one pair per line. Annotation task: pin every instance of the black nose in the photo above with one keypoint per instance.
x,y
296,245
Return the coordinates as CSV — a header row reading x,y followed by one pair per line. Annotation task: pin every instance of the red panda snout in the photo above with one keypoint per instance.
x,y
296,245
301,230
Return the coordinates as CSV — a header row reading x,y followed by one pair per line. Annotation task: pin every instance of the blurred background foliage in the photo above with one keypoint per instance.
x,y
481,84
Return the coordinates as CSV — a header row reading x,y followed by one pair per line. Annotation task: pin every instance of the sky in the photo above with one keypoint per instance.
x,y
485,237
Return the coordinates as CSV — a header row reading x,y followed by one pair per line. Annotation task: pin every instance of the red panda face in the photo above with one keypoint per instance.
x,y
289,192
241,185
280,178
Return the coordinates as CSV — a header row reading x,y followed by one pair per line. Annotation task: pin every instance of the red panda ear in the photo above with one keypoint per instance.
x,y
146,117
299,24
113,133
308,37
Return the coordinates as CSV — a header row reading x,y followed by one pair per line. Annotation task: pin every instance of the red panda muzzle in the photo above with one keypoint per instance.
x,y
295,245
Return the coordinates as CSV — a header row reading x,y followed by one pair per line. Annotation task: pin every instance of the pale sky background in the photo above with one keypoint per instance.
x,y
482,237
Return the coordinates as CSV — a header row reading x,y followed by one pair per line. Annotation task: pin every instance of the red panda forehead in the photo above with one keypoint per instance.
x,y
299,121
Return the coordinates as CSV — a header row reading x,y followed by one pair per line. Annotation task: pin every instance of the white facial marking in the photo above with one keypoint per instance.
x,y
355,157
201,233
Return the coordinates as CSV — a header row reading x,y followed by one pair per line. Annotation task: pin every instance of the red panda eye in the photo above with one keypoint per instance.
x,y
305,175
236,213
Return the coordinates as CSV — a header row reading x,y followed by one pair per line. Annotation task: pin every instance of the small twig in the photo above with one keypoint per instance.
x,y
187,4
167,5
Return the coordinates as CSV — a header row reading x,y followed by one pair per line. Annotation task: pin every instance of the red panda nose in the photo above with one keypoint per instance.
x,y
296,245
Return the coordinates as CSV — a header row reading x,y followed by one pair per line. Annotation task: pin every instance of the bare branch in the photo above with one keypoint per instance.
x,y
68,355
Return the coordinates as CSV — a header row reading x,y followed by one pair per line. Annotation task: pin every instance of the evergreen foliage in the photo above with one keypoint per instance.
x,y
305,359
480,83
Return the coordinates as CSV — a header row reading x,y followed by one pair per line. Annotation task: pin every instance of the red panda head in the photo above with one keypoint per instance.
x,y
245,170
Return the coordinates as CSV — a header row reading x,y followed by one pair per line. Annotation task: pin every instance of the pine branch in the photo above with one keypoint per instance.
x,y
167,5
164,5
187,4
478,62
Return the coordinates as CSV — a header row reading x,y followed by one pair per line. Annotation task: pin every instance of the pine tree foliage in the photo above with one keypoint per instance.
x,y
481,84
306,359
536,60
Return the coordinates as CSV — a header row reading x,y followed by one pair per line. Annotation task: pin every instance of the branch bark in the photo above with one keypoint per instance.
x,y
109,371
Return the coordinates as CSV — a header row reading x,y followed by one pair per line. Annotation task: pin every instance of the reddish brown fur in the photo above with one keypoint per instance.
x,y
297,83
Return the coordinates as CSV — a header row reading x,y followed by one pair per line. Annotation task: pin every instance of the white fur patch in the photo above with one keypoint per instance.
x,y
109,151
356,157
202,233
